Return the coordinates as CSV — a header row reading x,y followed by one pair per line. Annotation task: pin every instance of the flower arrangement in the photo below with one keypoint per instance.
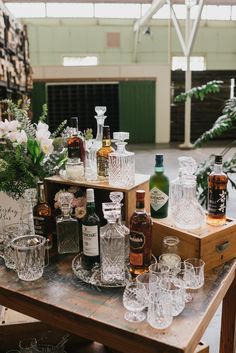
x,y
78,203
27,150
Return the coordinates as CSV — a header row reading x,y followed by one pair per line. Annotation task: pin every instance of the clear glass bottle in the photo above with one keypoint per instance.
x,y
112,246
121,163
140,237
102,154
74,169
159,190
217,193
90,233
117,197
91,161
190,214
67,227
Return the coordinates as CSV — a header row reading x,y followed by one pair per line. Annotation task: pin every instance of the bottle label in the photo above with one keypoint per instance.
x,y
90,240
136,259
102,166
137,242
157,198
41,226
217,201
73,152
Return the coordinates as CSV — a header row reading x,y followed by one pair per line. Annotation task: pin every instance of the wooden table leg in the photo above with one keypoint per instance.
x,y
228,322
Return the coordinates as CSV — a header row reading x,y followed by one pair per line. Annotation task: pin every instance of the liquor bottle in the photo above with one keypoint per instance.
x,y
102,154
42,215
67,227
112,246
140,237
121,163
217,192
159,190
90,233
75,143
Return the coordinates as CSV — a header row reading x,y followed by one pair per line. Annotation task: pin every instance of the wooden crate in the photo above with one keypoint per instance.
x,y
215,245
101,190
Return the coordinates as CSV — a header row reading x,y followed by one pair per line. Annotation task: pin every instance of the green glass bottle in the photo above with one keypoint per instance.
x,y
91,233
159,190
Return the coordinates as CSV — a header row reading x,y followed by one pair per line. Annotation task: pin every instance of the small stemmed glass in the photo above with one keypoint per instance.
x,y
134,301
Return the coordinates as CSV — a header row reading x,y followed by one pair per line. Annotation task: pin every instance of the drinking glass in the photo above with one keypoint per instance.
x,y
159,311
185,272
150,282
10,232
29,252
134,301
159,269
26,345
170,260
173,293
198,266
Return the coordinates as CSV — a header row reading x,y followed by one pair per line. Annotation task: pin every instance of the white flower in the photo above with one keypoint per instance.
x,y
17,136
46,145
8,126
42,131
13,125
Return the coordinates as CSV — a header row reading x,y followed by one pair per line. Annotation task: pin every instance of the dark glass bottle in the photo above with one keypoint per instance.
x,y
159,190
42,214
102,154
140,237
75,143
217,192
90,233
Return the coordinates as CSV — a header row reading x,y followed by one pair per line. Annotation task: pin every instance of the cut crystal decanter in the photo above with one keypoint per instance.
x,y
67,227
189,213
91,159
121,163
112,246
117,197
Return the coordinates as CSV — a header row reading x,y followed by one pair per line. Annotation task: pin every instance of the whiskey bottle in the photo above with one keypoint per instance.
x,y
140,237
42,215
90,233
75,143
159,190
217,192
67,227
102,154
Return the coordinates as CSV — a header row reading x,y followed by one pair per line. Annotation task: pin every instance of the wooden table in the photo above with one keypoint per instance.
x,y
59,299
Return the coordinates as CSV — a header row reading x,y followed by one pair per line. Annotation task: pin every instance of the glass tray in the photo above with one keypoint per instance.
x,y
93,276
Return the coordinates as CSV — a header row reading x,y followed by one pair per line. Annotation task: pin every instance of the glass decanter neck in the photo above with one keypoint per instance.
x,y
218,168
121,146
100,124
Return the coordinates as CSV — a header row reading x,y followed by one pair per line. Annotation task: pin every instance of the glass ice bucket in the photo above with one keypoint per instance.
x,y
29,256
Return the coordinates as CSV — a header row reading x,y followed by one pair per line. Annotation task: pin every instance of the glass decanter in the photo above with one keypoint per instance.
x,y
29,201
112,246
67,227
189,214
117,197
91,159
121,163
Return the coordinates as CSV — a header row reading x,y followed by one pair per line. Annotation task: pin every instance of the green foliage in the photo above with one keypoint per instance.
x,y
88,134
200,92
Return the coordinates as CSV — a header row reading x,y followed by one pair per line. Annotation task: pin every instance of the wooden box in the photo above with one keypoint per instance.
x,y
215,245
101,190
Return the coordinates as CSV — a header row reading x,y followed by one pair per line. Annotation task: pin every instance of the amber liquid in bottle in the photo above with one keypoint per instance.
x,y
140,237
75,144
42,214
217,193
102,154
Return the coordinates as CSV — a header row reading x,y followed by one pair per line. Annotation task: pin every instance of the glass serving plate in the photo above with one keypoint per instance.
x,y
93,276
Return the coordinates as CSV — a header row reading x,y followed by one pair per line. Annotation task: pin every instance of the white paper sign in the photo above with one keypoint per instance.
x,y
10,210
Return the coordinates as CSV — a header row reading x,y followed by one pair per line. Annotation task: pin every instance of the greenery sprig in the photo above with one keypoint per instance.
x,y
200,92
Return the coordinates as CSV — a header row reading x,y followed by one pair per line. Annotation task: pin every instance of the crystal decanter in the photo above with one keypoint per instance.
x,y
121,163
67,227
112,244
91,159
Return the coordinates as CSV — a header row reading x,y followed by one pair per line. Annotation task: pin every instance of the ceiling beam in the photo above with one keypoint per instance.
x,y
155,6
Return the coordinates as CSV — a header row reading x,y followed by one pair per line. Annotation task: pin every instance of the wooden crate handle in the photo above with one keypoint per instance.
x,y
222,247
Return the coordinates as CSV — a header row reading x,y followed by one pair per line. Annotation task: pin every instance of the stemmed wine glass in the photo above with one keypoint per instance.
x,y
134,302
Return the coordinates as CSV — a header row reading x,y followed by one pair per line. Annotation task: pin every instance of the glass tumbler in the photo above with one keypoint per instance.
x,y
198,278
174,294
160,270
150,282
134,301
159,311
29,253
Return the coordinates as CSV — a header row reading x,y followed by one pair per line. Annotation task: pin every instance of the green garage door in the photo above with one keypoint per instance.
x,y
137,110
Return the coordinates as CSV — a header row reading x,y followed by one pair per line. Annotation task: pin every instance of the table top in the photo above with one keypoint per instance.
x,y
62,300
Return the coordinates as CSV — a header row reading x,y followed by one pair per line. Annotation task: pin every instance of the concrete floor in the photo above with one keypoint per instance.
x,y
145,159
